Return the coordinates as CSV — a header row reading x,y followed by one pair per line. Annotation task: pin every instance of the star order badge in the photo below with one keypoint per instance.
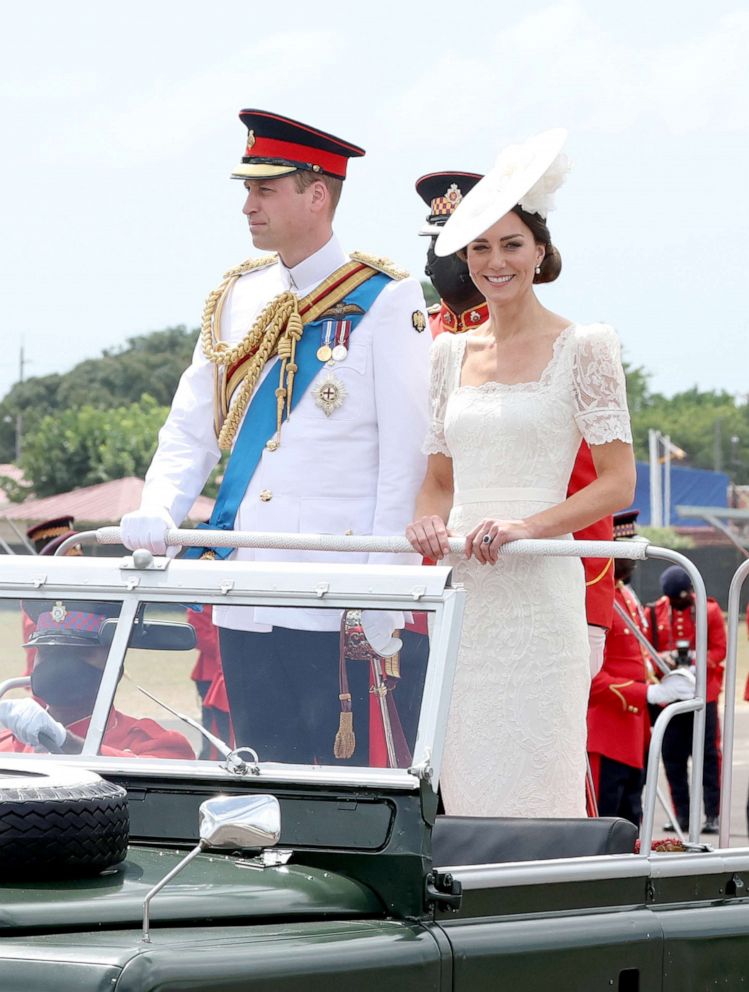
x,y
418,320
329,394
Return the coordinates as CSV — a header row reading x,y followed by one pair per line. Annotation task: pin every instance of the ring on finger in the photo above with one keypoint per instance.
x,y
487,539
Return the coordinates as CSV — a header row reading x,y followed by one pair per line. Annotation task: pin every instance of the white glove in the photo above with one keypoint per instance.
x,y
378,627
26,720
146,528
679,684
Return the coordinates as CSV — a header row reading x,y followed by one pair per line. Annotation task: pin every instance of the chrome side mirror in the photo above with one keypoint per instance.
x,y
240,821
226,822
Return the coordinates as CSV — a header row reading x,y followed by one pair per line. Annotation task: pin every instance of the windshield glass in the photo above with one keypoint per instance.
x,y
194,681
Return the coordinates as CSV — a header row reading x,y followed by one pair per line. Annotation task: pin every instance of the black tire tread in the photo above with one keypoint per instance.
x,y
53,832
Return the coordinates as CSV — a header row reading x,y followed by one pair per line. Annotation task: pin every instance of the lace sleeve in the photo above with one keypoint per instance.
x,y
599,387
442,361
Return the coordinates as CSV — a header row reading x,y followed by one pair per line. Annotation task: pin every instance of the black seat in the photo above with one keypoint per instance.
x,y
482,840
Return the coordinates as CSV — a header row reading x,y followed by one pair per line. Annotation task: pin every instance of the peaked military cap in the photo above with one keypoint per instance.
x,y
50,534
76,624
277,146
442,192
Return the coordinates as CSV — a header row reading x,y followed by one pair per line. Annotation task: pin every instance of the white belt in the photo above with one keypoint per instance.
x,y
506,494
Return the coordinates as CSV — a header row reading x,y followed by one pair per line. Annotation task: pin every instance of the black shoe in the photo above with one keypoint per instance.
x,y
711,825
683,825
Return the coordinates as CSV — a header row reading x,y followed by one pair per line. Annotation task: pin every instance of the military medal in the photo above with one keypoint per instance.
x,y
329,394
334,335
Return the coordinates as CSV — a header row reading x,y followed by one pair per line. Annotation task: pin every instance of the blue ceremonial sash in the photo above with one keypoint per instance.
x,y
260,420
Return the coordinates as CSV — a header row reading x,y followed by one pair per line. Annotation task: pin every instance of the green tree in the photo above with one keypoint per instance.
x,y
711,427
85,445
147,364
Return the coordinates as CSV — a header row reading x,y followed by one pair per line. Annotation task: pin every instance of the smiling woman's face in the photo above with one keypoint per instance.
x,y
503,260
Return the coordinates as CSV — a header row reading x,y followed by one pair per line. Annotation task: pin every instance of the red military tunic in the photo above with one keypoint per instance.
x,y
599,572
442,318
618,723
669,626
124,737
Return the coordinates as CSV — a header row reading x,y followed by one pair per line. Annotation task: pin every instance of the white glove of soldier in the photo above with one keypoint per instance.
x,y
26,720
146,528
378,627
679,684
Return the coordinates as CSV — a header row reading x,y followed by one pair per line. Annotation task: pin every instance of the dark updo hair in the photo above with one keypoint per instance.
x,y
551,264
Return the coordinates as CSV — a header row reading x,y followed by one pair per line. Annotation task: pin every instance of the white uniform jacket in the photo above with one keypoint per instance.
x,y
357,470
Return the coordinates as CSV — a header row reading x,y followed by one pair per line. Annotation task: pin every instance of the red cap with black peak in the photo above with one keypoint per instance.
x,y
442,192
277,146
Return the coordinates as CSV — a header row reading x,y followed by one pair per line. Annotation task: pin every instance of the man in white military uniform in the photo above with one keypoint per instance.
x,y
312,367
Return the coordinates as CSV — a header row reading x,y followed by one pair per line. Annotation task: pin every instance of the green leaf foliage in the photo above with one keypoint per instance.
x,y
86,445
711,426
149,364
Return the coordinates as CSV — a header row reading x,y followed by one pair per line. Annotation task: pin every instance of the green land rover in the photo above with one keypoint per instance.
x,y
184,863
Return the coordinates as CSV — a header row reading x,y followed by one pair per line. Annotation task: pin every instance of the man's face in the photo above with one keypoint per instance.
x,y
450,278
681,602
68,676
279,215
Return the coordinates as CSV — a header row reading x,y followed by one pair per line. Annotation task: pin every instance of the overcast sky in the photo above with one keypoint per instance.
x,y
119,130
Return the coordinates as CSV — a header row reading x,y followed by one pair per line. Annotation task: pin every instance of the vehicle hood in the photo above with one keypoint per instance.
x,y
210,887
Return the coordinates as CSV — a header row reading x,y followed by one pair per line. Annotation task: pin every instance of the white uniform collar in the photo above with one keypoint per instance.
x,y
318,266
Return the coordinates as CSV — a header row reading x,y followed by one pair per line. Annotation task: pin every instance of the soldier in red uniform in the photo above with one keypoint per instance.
x,y
672,626
47,538
208,677
68,667
618,719
462,308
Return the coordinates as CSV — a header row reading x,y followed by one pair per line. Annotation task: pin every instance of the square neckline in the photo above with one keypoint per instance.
x,y
509,386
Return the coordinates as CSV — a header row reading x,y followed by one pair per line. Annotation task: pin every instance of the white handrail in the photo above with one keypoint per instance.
x,y
204,538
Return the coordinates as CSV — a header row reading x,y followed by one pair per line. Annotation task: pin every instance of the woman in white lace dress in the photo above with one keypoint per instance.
x,y
511,402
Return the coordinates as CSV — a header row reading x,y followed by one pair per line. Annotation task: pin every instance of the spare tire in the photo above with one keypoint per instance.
x,y
58,821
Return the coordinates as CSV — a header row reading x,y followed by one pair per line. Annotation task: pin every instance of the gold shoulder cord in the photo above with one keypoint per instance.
x,y
381,264
275,331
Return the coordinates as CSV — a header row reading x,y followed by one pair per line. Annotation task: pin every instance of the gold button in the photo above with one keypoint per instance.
x,y
266,495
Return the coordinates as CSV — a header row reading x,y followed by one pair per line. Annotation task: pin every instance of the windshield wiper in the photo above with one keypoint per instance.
x,y
234,763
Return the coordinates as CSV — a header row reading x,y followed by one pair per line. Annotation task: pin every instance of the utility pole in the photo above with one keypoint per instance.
x,y
19,416
718,447
656,492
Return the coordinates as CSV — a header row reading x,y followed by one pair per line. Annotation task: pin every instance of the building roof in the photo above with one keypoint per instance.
x,y
100,505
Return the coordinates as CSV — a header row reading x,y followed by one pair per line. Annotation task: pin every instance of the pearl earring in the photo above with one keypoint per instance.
x,y
538,269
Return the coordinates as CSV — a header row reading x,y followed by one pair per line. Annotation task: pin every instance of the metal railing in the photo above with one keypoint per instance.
x,y
636,550
729,702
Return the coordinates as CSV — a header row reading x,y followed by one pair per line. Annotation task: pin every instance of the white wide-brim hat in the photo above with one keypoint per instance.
x,y
518,169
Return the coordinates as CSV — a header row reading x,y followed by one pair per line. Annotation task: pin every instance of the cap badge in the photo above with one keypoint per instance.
x,y
418,320
250,141
445,205
59,612
330,394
